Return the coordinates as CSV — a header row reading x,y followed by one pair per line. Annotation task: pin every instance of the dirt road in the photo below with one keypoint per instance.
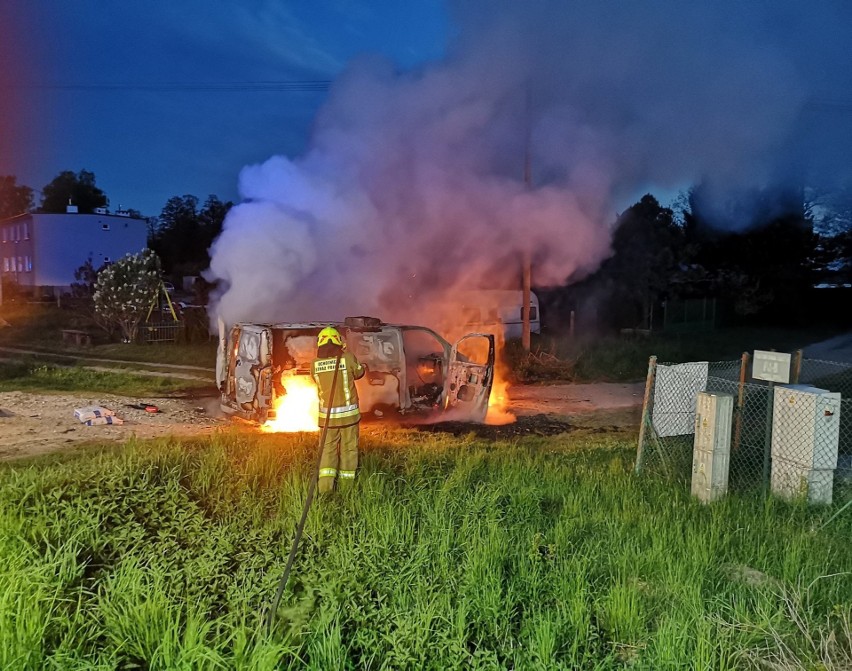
x,y
38,423
33,423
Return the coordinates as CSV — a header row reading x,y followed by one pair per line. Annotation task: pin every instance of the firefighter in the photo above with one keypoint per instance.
x,y
340,449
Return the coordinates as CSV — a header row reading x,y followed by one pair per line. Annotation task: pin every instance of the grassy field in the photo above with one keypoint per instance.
x,y
39,327
34,376
542,553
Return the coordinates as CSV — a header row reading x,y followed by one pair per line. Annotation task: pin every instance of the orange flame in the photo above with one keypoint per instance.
x,y
296,410
498,402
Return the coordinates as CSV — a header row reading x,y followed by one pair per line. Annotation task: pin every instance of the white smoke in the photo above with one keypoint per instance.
x,y
412,186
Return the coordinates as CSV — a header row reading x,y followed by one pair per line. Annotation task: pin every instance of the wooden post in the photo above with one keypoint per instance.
x,y
738,426
571,326
797,366
527,260
525,310
647,404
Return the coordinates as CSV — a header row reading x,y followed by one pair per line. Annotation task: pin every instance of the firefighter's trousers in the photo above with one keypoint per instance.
x,y
339,457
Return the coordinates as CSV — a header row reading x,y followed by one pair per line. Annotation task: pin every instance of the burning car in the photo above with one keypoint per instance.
x,y
263,371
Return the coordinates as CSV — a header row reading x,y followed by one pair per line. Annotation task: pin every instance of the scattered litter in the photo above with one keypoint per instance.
x,y
147,407
96,415
92,412
99,421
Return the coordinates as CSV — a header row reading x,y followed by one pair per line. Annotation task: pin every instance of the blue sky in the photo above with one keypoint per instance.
x,y
655,95
146,145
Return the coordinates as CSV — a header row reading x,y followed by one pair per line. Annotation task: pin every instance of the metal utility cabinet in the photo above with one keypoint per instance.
x,y
805,440
711,453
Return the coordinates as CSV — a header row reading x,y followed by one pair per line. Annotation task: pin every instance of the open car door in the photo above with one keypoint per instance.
x,y
222,356
470,375
251,369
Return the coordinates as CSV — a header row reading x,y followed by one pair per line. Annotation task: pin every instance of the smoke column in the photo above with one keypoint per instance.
x,y
412,186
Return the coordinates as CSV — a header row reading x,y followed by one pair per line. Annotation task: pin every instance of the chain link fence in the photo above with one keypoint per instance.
x,y
792,440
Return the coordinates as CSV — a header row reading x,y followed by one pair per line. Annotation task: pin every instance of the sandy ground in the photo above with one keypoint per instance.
x,y
574,399
33,423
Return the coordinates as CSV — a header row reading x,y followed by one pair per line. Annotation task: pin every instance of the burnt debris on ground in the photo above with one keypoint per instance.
x,y
526,425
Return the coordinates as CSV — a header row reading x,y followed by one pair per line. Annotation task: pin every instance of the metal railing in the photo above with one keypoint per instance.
x,y
159,332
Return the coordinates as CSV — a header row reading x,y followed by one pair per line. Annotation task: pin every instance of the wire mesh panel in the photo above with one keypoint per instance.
x,y
793,440
155,332
836,376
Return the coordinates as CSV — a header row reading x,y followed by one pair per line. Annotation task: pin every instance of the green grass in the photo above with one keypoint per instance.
x,y
31,376
202,355
449,553
39,327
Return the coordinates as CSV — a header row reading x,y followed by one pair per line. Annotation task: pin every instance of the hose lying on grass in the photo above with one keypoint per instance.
x,y
306,508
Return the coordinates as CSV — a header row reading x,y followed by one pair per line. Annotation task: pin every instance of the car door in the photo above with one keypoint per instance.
x,y
381,351
470,374
222,356
252,370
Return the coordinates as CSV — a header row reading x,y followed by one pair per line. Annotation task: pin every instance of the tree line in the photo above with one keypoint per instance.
x,y
761,252
759,255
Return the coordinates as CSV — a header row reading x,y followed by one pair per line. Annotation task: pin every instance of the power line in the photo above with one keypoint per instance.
x,y
283,86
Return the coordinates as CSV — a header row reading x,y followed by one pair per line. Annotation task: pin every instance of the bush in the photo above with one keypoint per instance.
x,y
125,291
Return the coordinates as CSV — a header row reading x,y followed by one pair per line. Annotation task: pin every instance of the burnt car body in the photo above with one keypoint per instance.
x,y
410,369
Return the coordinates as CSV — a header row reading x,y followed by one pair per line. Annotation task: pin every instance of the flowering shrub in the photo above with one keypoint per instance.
x,y
125,290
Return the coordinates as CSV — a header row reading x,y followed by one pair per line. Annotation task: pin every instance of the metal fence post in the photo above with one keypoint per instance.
x,y
738,426
767,438
647,402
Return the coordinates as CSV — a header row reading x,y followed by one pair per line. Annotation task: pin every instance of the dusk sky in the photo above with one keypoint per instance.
x,y
160,99
135,111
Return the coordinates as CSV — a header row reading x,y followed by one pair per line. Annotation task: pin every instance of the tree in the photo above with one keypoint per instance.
x,y
86,277
767,254
15,198
832,215
183,234
126,289
82,297
647,250
80,189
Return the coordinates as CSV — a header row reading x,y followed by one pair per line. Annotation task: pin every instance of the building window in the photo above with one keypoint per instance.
x,y
5,264
20,264
18,233
28,264
104,227
4,234
26,231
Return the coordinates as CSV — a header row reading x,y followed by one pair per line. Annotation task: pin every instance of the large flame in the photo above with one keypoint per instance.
x,y
295,410
498,402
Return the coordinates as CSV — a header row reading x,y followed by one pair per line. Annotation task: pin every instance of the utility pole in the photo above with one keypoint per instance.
x,y
527,261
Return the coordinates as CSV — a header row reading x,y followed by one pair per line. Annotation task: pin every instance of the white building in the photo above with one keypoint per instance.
x,y
42,251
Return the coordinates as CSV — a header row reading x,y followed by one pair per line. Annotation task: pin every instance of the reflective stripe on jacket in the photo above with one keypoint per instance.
x,y
344,405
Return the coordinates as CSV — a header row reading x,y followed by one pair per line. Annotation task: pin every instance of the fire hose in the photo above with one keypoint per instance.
x,y
307,507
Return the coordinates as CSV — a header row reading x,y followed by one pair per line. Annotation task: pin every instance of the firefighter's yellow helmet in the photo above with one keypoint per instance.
x,y
329,335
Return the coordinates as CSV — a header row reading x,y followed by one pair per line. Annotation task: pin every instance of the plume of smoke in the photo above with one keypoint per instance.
x,y
412,187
